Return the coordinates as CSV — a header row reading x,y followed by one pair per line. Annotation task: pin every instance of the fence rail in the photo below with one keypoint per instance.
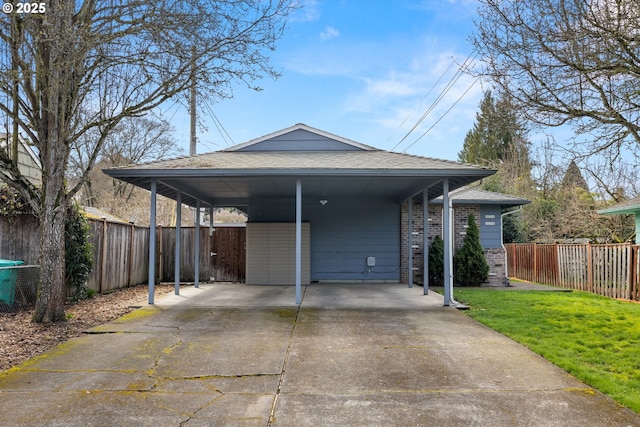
x,y
609,270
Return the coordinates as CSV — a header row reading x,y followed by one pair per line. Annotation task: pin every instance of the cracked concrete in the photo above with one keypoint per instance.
x,y
356,355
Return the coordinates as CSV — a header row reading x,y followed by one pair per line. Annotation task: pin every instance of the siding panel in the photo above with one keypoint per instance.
x,y
490,230
347,231
271,254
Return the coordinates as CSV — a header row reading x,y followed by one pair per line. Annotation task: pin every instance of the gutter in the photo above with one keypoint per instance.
x,y
506,261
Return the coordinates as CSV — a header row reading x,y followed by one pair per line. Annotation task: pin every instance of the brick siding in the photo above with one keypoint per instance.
x,y
495,256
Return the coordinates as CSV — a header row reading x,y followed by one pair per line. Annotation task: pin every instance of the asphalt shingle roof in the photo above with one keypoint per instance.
x,y
330,160
476,195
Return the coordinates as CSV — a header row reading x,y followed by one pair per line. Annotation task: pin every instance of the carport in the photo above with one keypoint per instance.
x,y
347,193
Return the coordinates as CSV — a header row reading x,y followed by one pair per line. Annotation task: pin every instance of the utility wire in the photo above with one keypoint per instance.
x,y
424,97
443,115
221,129
454,79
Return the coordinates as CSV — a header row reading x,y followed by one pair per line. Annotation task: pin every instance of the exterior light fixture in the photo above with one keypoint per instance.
x,y
323,201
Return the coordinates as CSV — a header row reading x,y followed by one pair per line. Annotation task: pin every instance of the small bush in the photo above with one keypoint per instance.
x,y
436,262
469,263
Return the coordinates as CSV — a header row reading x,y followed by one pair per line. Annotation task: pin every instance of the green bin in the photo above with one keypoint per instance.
x,y
8,278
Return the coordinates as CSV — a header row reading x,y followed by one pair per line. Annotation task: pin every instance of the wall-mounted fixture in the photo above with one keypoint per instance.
x,y
323,201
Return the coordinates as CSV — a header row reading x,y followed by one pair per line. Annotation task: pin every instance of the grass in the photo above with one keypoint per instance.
x,y
595,339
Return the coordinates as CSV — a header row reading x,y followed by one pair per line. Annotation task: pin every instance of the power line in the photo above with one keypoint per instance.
x,y
424,97
218,124
443,115
454,79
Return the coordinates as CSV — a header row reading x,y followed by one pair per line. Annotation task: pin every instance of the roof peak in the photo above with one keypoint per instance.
x,y
280,136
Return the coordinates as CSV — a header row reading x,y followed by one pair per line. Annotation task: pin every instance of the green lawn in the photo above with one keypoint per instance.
x,y
596,339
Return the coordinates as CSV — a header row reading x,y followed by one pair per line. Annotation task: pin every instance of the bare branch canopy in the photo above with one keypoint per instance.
x,y
568,62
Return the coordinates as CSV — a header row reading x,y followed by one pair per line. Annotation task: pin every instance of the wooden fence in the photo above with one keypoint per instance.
x,y
609,270
120,254
120,251
20,239
229,259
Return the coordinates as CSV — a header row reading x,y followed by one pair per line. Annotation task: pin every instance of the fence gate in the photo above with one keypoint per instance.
x,y
228,253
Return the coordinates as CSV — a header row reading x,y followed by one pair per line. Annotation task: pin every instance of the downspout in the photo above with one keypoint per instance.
x,y
506,260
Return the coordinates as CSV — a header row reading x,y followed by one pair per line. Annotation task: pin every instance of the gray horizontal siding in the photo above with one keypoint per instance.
x,y
347,231
300,140
490,226
344,233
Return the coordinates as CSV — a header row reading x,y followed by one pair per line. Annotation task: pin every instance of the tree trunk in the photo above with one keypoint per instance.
x,y
53,211
56,68
51,292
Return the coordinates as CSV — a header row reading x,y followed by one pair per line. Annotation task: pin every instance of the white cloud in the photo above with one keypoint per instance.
x,y
329,33
307,12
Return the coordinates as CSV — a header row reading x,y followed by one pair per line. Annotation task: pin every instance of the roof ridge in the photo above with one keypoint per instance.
x,y
453,162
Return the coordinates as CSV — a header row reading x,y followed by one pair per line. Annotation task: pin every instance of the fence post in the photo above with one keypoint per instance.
x,y
589,268
635,271
629,269
130,254
158,230
103,261
535,263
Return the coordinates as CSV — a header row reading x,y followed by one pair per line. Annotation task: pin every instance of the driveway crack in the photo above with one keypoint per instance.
x,y
272,413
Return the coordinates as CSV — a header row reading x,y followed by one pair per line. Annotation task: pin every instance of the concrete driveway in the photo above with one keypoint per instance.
x,y
349,355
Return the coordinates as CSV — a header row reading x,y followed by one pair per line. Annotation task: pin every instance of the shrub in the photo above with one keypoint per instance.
x,y
436,262
469,264
12,203
78,252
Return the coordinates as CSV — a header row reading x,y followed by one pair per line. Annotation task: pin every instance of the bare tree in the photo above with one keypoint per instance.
x,y
568,61
83,66
133,140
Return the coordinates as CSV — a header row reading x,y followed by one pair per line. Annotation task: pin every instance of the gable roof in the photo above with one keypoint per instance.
x,y
630,206
278,141
475,195
270,165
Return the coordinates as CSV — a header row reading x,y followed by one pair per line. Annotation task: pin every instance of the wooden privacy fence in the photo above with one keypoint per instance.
x,y
609,270
120,251
120,255
228,246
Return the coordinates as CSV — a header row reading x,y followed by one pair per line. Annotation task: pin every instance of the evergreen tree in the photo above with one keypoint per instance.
x,y
573,178
498,139
513,229
469,264
496,136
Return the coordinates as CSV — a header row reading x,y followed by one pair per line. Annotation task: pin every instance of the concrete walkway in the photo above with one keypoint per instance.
x,y
350,355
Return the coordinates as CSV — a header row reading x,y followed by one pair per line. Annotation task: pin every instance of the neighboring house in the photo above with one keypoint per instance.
x,y
487,207
28,161
321,208
97,214
627,207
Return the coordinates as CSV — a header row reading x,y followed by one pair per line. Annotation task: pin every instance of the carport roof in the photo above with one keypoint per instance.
x,y
234,176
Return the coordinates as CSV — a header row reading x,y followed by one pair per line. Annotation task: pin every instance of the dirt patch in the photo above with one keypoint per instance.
x,y
21,339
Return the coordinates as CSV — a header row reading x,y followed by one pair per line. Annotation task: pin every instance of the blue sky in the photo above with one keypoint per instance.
x,y
364,70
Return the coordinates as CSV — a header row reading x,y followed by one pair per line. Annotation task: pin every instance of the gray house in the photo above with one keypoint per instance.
x,y
321,208
488,209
